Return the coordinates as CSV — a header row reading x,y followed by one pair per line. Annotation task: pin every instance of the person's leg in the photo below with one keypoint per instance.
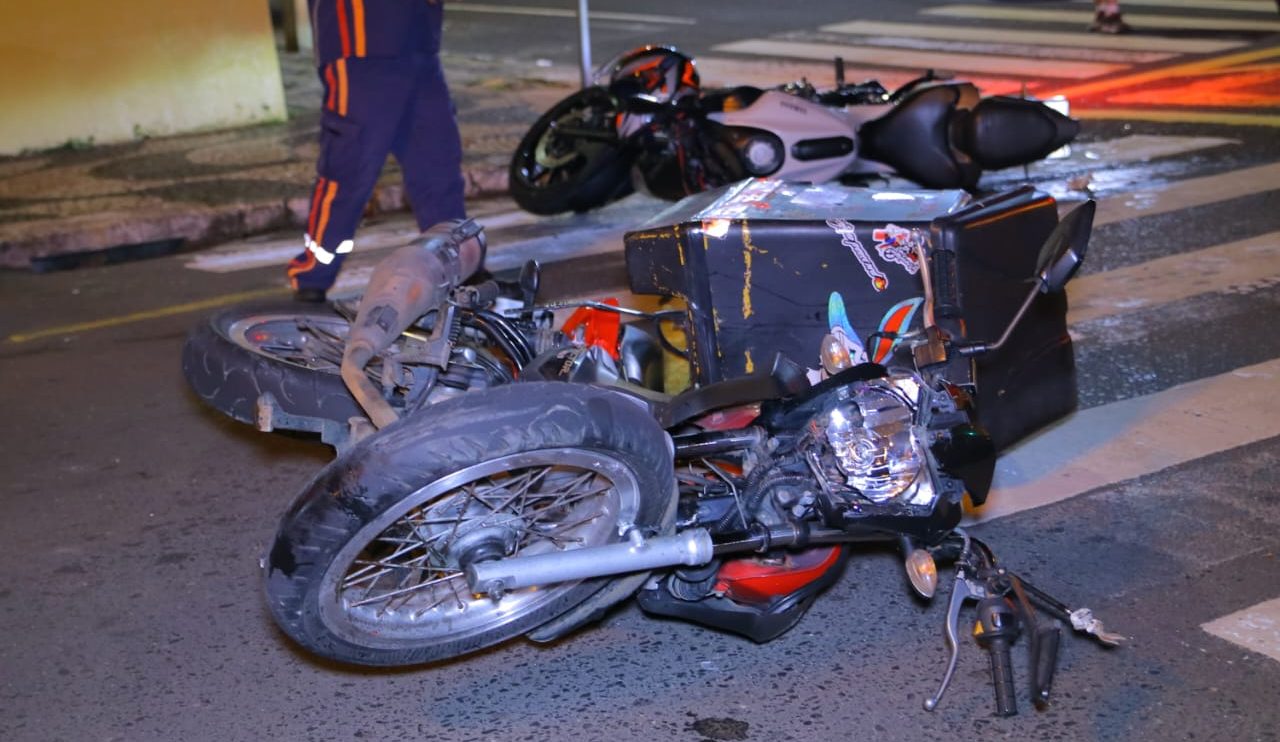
x,y
429,149
364,103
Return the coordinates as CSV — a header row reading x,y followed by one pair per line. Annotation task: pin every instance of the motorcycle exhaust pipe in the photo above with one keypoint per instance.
x,y
405,285
496,577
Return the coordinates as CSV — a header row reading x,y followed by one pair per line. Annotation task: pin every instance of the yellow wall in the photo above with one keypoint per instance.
x,y
112,70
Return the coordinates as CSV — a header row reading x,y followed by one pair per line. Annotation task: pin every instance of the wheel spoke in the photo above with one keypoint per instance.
x,y
408,577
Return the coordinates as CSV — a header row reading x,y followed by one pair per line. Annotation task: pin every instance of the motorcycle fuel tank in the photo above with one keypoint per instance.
x,y
767,266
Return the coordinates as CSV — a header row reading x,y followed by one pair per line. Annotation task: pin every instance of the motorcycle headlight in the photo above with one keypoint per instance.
x,y
874,439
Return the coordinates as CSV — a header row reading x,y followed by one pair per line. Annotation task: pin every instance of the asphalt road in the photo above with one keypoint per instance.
x,y
132,518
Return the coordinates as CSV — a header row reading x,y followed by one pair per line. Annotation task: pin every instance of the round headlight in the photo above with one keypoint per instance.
x,y
874,442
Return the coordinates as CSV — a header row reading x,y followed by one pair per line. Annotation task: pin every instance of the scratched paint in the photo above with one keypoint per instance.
x,y
747,249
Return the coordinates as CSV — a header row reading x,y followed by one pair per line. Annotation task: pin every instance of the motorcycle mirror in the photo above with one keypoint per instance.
x,y
1060,258
1064,250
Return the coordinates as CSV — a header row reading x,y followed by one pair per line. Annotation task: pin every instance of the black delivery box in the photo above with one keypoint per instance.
x,y
769,267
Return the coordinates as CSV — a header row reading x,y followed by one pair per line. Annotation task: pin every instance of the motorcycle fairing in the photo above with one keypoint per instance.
x,y
817,140
764,614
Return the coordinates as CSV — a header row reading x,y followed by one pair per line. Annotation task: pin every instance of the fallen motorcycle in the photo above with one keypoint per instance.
x,y
647,120
459,515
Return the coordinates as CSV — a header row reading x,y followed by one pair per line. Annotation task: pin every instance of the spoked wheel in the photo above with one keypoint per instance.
x,y
367,566
571,159
292,351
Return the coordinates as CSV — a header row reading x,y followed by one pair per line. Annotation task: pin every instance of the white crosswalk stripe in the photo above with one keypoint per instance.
x,y
1050,42
1252,6
1082,18
874,56
1123,440
1256,628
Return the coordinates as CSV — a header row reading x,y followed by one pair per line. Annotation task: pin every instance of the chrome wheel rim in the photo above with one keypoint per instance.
x,y
399,580
312,343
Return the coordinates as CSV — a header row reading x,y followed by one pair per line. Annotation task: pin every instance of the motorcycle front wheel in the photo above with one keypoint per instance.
x,y
571,159
367,565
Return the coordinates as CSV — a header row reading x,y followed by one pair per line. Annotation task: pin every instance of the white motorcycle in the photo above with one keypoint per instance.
x,y
648,122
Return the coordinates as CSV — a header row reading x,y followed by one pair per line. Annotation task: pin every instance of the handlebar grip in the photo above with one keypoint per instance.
x,y
1002,678
1045,663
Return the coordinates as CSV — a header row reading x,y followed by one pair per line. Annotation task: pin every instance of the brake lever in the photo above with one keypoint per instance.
x,y
962,589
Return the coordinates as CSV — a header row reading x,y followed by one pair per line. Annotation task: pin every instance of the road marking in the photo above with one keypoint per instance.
x,y
1248,6
1256,629
246,255
889,57
763,72
1161,198
1181,70
1255,261
1147,202
169,311
564,13
987,34
1165,115
1083,17
1144,147
1123,440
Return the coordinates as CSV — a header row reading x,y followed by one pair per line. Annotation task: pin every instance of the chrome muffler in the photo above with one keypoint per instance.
x,y
405,285
497,576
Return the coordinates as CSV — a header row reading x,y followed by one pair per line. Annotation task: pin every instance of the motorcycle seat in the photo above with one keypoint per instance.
x,y
915,139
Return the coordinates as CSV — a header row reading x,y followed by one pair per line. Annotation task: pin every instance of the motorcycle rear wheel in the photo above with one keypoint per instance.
x,y
235,356
552,172
367,565
291,350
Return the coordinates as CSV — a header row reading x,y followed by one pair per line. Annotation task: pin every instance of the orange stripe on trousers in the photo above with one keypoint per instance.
x,y
332,85
315,207
342,87
330,192
357,20
342,28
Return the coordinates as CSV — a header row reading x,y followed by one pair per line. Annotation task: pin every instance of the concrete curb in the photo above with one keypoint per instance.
x,y
194,225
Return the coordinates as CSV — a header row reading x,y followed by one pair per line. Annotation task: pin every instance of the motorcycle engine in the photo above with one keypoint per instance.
x,y
871,442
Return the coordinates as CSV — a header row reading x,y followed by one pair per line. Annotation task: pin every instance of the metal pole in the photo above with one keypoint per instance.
x,y
584,42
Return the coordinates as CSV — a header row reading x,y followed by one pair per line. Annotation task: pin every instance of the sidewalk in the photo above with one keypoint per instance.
x,y
161,195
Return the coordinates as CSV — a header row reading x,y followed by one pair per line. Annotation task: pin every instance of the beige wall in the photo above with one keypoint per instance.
x,y
75,71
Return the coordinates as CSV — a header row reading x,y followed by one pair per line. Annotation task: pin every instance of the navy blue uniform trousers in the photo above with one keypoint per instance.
x,y
375,106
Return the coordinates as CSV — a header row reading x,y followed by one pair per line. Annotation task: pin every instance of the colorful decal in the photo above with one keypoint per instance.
x,y
838,320
900,245
849,238
892,325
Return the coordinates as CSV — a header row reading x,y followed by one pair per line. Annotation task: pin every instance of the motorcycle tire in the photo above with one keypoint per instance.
x,y
235,356
551,173
366,566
